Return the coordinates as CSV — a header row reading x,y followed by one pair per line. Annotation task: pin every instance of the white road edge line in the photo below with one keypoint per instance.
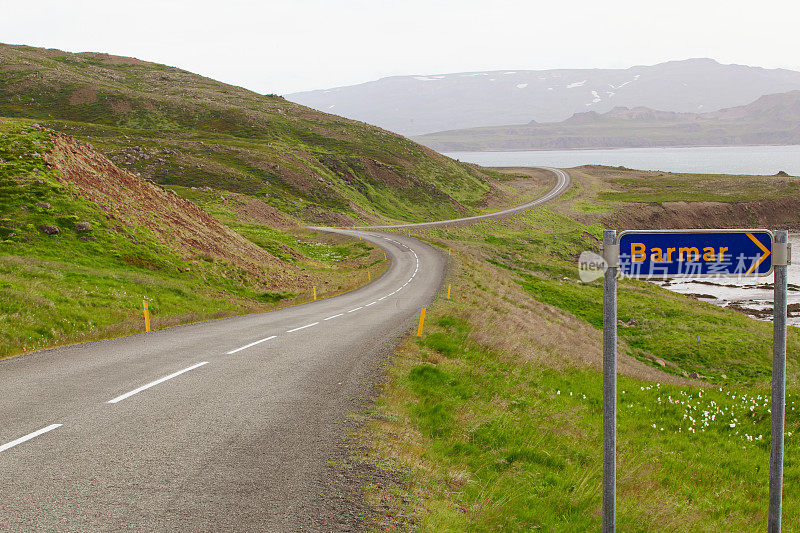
x,y
156,382
334,316
29,436
249,345
303,327
371,303
356,309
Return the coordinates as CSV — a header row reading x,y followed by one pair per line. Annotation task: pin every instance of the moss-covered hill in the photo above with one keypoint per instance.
x,y
83,243
179,128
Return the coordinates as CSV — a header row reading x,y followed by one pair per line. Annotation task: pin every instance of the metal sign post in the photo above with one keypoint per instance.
x,y
611,253
780,261
694,253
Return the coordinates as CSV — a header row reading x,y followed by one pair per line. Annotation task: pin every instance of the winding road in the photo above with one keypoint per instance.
x,y
563,181
227,425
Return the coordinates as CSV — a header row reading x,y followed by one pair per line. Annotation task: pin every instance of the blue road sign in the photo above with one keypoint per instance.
x,y
693,253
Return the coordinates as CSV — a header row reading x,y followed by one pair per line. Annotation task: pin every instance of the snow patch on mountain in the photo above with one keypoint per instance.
x,y
623,84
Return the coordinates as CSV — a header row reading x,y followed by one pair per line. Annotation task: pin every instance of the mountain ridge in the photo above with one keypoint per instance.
x,y
416,105
770,120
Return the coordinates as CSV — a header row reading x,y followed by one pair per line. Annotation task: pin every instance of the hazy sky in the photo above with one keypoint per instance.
x,y
287,46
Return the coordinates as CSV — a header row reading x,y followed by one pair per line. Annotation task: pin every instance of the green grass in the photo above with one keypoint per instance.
x,y
696,336
84,285
516,447
181,129
498,418
538,251
659,188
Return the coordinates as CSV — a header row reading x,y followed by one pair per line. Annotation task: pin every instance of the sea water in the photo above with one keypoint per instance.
x,y
766,160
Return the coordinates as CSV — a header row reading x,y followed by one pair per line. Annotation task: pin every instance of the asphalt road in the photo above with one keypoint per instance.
x,y
225,425
563,181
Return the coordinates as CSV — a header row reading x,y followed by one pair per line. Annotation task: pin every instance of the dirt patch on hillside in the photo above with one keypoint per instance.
x,y
177,222
252,210
121,107
782,213
83,96
384,174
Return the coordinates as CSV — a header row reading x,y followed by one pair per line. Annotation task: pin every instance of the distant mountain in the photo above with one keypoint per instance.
x,y
772,119
414,105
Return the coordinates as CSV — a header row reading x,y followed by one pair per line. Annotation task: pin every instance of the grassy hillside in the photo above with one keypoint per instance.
x,y
179,128
494,416
82,243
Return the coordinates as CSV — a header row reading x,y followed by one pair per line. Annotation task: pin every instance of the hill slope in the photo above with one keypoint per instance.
x,y
773,119
414,105
180,128
83,242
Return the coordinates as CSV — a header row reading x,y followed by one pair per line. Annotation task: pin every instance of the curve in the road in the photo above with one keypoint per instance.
x,y
563,182
221,425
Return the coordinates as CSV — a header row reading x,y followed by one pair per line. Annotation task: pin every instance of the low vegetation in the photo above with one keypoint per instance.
x,y
494,416
72,269
179,128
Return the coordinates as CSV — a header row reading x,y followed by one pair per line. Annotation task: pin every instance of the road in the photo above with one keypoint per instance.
x,y
563,182
215,426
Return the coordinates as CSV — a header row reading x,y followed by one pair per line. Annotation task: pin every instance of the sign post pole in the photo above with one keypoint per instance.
x,y
611,253
648,254
778,386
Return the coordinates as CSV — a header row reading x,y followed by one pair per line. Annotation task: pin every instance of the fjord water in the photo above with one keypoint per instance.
x,y
766,160
754,295
751,295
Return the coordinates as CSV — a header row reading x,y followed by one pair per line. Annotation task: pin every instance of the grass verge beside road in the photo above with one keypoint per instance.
x,y
72,271
494,416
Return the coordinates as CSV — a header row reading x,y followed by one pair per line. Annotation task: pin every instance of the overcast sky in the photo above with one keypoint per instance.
x,y
287,46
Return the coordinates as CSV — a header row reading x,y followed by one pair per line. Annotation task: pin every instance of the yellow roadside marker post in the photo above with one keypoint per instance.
x,y
315,294
384,257
369,276
448,292
421,322
146,316
449,252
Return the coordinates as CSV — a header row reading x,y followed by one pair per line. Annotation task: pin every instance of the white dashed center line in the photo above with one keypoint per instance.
x,y
28,437
303,327
156,382
416,270
249,345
